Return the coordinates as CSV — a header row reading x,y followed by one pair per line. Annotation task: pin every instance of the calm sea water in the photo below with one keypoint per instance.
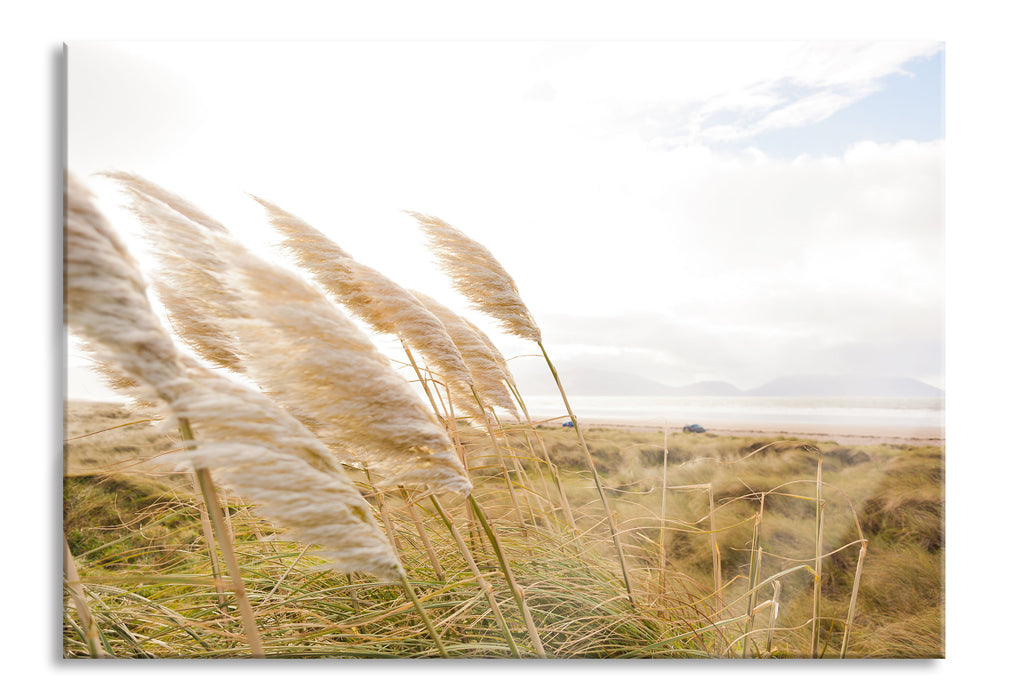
x,y
845,410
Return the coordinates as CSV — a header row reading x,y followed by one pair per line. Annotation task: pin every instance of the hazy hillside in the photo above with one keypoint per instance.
x,y
584,381
834,385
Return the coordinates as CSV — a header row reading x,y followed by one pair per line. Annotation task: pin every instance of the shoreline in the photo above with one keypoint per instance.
x,y
842,434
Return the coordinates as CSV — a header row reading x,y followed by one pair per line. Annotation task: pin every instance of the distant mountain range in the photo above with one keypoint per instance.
x,y
592,382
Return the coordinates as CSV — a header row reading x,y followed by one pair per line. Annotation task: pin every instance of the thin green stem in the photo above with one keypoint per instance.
x,y
595,475
516,590
551,467
423,615
475,570
435,564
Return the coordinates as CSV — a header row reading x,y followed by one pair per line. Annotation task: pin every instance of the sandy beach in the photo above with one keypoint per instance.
x,y
841,434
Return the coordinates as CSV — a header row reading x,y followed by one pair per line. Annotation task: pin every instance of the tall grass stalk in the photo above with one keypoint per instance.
x,y
477,574
501,460
488,427
551,467
208,536
516,590
854,596
475,508
408,589
662,511
383,512
423,381
422,533
756,552
73,581
818,571
523,479
223,534
716,557
595,476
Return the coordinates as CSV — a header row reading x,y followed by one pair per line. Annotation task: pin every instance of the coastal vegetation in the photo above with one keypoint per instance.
x,y
278,488
135,529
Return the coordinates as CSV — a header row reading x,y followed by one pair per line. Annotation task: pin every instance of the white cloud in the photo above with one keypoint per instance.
x,y
582,166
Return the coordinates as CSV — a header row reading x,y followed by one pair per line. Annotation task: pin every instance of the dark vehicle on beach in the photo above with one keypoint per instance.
x,y
695,428
568,424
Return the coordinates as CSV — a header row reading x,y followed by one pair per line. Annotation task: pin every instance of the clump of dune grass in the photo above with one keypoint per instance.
x,y
268,456
477,275
755,549
148,592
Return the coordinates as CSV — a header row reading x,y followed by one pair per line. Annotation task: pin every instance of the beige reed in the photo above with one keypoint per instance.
x,y
309,355
488,378
477,275
106,303
264,455
375,299
306,354
189,277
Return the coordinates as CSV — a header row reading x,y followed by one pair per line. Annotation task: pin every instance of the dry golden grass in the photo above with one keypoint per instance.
x,y
707,546
899,611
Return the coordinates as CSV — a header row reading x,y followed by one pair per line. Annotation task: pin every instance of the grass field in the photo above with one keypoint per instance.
x,y
720,535
325,507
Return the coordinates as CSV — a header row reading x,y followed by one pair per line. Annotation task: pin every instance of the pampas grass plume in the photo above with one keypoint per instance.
x,y
292,341
477,275
375,299
487,375
264,455
189,279
310,356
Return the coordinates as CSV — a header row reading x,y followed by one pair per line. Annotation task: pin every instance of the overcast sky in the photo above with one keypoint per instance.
x,y
683,210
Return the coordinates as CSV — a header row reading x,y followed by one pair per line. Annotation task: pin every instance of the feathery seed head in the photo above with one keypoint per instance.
x,y
142,186
488,378
300,348
190,279
307,354
106,301
375,299
270,459
265,455
477,275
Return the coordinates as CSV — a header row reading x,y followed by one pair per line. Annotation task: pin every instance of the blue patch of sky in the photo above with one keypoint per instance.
x,y
908,106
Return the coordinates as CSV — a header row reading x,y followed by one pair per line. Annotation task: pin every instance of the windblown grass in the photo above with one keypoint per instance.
x,y
139,547
341,479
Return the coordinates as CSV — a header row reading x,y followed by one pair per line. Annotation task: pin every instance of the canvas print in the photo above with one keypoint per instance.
x,y
504,350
